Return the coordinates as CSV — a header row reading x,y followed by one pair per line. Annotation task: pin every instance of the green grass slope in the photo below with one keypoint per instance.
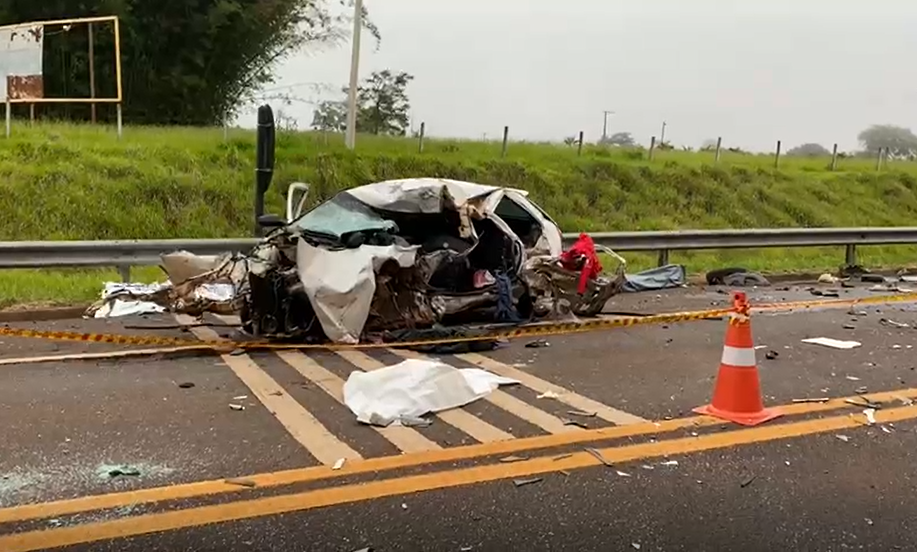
x,y
60,182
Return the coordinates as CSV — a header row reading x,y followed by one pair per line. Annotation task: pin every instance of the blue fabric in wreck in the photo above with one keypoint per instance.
x,y
506,312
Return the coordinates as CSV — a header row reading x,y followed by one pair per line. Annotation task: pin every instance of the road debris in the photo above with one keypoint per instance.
x,y
537,344
824,293
635,545
906,401
561,457
598,455
509,459
338,464
863,402
669,463
582,413
771,355
622,474
124,471
828,279
885,429
241,482
849,327
413,388
186,385
564,473
843,438
529,481
893,324
833,343
548,395
577,423
240,398
852,378
747,481
870,414
237,407
812,400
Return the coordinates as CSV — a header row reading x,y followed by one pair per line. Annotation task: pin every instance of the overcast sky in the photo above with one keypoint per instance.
x,y
751,71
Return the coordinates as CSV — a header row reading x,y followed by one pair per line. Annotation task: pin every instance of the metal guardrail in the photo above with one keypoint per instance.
x,y
127,253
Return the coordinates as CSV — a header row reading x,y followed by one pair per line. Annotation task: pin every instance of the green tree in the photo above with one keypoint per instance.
x,y
383,103
621,139
330,116
184,61
900,141
809,150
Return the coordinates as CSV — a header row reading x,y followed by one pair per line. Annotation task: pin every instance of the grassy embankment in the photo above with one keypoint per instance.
x,y
79,182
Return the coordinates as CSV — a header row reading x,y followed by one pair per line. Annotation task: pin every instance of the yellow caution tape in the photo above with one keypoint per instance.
x,y
530,330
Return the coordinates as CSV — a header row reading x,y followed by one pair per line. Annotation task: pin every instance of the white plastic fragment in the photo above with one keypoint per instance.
x,y
548,395
236,407
833,343
870,415
623,474
843,438
669,463
339,464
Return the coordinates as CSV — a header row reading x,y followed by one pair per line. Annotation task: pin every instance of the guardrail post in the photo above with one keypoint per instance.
x,y
777,156
719,144
834,158
663,257
579,146
423,129
851,255
505,141
652,147
125,272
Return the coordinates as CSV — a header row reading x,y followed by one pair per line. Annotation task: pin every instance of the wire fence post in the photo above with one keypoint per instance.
x,y
505,140
777,156
834,158
579,147
423,129
120,125
719,145
879,159
652,147
9,116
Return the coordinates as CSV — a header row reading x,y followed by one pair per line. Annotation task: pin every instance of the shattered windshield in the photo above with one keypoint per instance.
x,y
341,215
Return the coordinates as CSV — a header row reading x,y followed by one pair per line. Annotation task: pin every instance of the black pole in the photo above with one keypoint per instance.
x,y
264,161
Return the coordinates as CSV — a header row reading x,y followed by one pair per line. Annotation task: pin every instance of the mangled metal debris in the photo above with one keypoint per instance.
x,y
414,255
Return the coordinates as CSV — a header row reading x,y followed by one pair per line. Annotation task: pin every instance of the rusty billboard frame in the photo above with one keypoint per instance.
x,y
117,100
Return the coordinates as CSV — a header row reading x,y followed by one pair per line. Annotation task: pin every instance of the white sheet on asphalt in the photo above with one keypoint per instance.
x,y
415,387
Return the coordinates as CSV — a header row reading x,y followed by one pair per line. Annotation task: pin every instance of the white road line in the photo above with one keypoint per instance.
x,y
515,406
613,415
405,439
460,419
301,425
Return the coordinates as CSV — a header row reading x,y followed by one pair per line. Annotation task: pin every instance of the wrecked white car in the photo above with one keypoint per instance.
x,y
394,259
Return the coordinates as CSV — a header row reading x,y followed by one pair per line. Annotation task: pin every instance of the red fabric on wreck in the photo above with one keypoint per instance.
x,y
582,257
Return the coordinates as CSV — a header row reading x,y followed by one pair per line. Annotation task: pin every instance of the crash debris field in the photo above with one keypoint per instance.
x,y
80,182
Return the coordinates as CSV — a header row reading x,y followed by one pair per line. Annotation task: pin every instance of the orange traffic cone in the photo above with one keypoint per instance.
x,y
737,396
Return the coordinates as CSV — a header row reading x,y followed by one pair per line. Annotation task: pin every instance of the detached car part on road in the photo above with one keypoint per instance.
x,y
400,256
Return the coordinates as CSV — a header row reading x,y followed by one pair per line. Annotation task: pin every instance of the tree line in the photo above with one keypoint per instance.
x,y
899,142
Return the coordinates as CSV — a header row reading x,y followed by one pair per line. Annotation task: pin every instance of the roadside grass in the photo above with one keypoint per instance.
x,y
64,182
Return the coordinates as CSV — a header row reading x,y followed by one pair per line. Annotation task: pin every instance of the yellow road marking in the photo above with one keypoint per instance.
x,y
462,420
515,406
404,438
374,465
607,413
299,422
346,494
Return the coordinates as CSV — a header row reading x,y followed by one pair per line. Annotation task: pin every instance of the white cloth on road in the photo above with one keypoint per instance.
x,y
415,387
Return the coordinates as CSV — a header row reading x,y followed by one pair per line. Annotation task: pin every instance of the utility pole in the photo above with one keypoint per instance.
x,y
662,135
605,124
351,137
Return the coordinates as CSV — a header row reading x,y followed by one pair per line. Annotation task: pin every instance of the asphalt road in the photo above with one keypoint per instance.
x,y
130,449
